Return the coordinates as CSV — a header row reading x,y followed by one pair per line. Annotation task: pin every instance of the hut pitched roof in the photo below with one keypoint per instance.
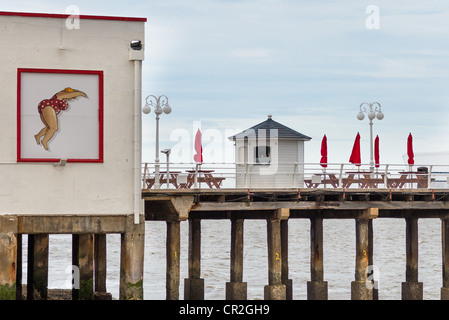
x,y
283,132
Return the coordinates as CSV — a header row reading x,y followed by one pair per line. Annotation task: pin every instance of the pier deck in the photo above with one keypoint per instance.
x,y
277,206
302,203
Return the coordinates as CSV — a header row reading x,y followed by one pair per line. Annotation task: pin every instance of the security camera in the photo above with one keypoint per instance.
x,y
166,151
136,45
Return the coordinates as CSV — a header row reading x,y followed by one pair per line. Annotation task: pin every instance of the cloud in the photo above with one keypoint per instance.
x,y
309,63
401,68
255,53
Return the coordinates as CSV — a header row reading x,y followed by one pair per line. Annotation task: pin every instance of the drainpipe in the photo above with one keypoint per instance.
x,y
136,54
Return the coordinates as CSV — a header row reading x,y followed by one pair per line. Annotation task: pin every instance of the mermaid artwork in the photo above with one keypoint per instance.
x,y
49,109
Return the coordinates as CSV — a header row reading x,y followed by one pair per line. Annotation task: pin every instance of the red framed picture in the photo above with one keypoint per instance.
x,y
59,115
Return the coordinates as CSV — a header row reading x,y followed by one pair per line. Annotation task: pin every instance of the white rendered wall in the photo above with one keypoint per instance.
x,y
77,188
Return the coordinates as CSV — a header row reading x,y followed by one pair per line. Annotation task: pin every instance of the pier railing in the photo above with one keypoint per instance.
x,y
293,175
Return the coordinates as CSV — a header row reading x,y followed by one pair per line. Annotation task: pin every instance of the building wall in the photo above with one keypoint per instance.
x,y
77,188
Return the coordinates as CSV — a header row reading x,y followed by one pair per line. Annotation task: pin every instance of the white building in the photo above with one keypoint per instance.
x,y
269,155
54,57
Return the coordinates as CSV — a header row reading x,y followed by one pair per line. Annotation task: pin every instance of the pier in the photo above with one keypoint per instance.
x,y
277,207
177,205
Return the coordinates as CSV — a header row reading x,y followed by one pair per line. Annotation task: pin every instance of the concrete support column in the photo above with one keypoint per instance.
x,y
131,259
284,254
83,258
275,290
37,274
8,256
316,288
360,290
236,289
411,288
173,247
445,248
194,285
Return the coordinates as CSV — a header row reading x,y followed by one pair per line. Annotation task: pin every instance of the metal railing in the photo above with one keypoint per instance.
x,y
293,175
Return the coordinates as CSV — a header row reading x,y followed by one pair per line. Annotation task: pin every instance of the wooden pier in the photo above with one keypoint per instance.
x,y
175,206
277,207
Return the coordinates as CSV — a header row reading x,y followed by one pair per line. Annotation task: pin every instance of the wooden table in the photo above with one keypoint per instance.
x,y
372,180
162,179
204,176
363,182
333,180
407,177
366,181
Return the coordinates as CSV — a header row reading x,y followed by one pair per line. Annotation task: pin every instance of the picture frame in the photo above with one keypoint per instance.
x,y
59,115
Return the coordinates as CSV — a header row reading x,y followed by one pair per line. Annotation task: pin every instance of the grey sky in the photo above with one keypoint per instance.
x,y
308,63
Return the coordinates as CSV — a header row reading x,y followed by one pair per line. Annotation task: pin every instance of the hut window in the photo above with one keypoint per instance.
x,y
263,155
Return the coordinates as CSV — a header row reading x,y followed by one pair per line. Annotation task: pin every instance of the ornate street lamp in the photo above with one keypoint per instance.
x,y
373,112
160,105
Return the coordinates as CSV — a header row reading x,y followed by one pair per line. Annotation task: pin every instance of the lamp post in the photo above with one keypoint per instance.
x,y
373,112
160,104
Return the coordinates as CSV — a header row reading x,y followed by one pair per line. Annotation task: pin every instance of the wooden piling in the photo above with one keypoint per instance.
x,y
316,288
237,250
194,285
411,288
360,289
132,259
173,247
8,254
83,258
445,255
100,262
372,275
100,268
75,267
284,254
37,274
236,289
30,265
19,268
275,290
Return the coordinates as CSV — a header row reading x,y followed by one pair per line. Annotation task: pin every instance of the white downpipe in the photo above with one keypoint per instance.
x,y
137,139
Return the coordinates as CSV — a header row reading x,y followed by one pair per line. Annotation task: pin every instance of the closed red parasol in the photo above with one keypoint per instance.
x,y
355,155
376,151
410,154
323,160
198,157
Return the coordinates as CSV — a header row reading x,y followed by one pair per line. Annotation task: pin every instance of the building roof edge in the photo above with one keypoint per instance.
x,y
65,16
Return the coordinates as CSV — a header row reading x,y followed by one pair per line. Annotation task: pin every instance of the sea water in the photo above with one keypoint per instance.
x,y
339,258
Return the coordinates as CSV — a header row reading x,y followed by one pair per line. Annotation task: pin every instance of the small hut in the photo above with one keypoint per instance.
x,y
269,155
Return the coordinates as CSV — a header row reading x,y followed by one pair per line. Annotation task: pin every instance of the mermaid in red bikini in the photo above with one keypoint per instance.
x,y
50,108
